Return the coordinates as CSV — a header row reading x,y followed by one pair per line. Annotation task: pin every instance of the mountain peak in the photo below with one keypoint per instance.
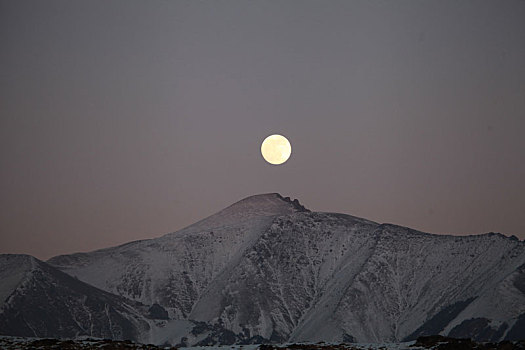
x,y
267,201
294,202
259,206
267,204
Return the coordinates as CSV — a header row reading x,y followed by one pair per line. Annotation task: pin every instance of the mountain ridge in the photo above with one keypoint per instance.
x,y
268,268
48,302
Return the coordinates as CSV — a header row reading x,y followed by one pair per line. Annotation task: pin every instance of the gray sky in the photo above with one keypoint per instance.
x,y
123,120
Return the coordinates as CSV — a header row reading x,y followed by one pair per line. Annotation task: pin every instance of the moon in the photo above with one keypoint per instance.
x,y
276,149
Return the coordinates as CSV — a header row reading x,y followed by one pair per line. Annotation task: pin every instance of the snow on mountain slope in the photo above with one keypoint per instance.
x,y
331,277
41,301
45,302
266,267
176,269
12,273
499,312
290,268
412,276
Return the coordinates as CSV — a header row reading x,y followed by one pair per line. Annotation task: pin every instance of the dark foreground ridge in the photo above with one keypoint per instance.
x,y
16,343
445,343
433,342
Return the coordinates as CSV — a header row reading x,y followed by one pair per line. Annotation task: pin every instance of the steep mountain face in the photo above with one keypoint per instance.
x,y
315,276
37,300
175,270
266,268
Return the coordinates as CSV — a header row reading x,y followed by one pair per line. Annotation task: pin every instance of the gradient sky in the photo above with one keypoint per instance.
x,y
124,120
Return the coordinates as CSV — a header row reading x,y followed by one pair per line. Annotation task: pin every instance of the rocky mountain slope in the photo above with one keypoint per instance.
x,y
177,269
267,269
38,300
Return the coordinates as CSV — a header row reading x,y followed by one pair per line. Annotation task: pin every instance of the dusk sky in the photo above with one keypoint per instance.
x,y
126,120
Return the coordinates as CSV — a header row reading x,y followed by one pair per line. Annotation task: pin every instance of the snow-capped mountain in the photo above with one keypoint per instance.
x,y
177,269
37,300
267,269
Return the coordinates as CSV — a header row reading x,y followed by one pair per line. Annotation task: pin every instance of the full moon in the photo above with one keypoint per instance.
x,y
276,149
